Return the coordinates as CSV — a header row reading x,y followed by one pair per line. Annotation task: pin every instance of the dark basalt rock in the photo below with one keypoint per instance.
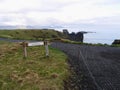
x,y
117,41
74,36
65,31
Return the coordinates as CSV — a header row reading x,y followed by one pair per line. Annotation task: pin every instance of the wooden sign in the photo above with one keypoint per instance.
x,y
25,44
35,43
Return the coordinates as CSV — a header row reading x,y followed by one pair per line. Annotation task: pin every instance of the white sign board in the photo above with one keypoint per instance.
x,y
35,43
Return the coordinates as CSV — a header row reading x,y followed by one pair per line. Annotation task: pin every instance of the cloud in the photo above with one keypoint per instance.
x,y
39,12
41,5
12,19
113,20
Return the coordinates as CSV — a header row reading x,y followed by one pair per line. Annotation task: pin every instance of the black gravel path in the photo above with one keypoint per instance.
x,y
94,67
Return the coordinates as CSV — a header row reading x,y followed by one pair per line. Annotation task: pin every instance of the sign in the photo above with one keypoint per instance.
x,y
45,43
35,43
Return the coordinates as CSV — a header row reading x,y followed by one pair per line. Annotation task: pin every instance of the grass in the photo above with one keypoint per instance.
x,y
82,43
36,72
115,45
38,34
91,44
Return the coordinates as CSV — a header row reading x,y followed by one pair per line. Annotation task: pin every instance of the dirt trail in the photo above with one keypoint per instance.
x,y
95,67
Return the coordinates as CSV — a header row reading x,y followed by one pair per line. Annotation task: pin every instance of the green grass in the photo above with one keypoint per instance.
x,y
115,45
31,34
82,43
91,44
36,72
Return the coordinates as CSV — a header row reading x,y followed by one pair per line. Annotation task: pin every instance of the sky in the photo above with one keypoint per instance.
x,y
60,12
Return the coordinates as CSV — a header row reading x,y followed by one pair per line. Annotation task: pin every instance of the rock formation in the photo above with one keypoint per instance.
x,y
65,31
117,41
74,36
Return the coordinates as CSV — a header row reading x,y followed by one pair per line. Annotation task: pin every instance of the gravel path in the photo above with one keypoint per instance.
x,y
95,67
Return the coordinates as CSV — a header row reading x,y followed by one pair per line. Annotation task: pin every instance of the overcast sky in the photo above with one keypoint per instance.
x,y
47,12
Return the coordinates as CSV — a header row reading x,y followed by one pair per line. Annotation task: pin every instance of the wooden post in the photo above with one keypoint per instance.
x,y
25,44
46,48
25,49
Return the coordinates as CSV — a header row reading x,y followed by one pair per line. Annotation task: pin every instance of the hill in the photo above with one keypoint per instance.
x,y
32,34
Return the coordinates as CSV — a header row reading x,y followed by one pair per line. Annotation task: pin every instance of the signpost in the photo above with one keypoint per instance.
x,y
35,43
26,44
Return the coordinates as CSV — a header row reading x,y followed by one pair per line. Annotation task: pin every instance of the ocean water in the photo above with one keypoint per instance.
x,y
98,35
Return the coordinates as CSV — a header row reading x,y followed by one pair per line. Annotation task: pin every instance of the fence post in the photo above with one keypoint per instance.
x,y
46,48
24,49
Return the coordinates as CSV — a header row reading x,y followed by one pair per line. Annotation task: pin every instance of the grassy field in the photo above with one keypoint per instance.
x,y
36,72
31,34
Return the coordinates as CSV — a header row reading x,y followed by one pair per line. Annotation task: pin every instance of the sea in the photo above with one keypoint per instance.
x,y
97,35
